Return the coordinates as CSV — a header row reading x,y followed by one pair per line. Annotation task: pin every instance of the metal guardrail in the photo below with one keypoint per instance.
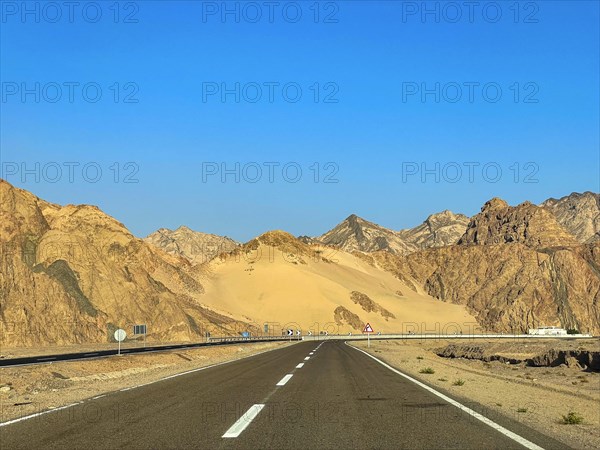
x,y
359,336
238,339
449,336
45,359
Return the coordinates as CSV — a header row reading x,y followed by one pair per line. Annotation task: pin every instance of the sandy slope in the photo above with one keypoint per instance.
x,y
291,287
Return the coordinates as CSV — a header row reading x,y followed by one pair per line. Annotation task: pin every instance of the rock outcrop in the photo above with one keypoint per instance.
x,y
438,230
195,246
578,213
369,305
355,233
343,316
579,359
528,224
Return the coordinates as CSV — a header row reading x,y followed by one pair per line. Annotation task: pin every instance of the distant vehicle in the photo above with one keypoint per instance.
x,y
548,331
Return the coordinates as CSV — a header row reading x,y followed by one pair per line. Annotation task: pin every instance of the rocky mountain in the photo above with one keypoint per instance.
x,y
355,233
514,268
578,213
73,274
193,245
528,224
510,287
438,230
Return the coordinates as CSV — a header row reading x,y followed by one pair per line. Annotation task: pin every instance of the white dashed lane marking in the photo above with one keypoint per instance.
x,y
299,366
285,379
241,424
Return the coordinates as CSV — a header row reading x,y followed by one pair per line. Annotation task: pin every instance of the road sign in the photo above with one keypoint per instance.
x,y
298,332
368,329
310,333
140,329
120,335
290,332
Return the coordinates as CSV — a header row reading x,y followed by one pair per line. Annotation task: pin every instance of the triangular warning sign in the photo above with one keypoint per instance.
x,y
368,328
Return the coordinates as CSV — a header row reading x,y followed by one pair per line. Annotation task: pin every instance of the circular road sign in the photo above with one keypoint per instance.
x,y
120,335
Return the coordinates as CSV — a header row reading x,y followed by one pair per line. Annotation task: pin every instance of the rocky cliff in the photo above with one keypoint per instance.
x,y
74,274
578,213
355,233
438,230
195,246
514,268
528,224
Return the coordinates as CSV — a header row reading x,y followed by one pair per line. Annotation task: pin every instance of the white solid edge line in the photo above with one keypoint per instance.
x,y
240,425
31,416
284,380
299,366
515,437
19,419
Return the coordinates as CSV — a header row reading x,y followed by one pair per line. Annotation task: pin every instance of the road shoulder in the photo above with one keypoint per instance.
x,y
512,403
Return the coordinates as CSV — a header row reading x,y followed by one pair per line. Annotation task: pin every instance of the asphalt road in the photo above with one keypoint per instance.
x,y
338,398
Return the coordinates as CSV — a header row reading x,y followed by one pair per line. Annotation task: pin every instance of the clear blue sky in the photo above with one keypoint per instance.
x,y
371,54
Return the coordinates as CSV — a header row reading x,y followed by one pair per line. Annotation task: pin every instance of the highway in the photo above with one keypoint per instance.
x,y
310,395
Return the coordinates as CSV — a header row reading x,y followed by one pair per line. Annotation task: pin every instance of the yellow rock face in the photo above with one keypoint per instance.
x,y
74,274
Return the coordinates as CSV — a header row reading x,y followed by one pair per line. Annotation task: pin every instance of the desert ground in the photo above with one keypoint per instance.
x,y
27,390
537,396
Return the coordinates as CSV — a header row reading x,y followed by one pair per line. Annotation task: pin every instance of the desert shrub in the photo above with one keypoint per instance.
x,y
427,370
459,382
572,418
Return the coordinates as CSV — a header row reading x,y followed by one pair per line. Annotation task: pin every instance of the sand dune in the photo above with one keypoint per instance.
x,y
291,286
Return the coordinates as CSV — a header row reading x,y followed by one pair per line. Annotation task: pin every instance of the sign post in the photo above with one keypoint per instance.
x,y
368,329
120,335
